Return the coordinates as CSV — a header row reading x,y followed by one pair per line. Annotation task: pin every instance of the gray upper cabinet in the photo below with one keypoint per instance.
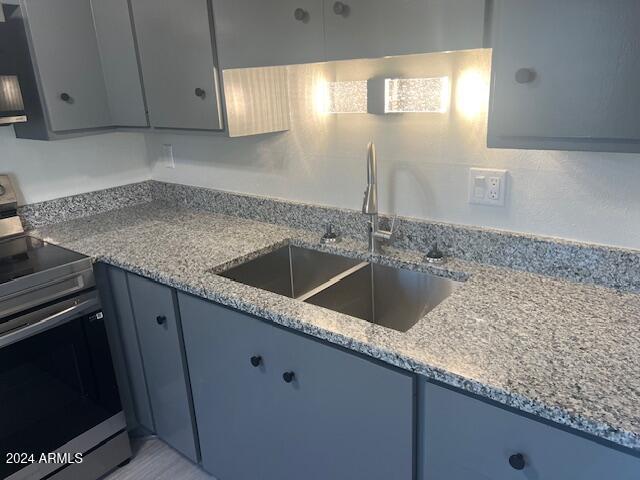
x,y
565,75
376,28
177,55
272,404
467,439
119,61
63,42
160,339
254,33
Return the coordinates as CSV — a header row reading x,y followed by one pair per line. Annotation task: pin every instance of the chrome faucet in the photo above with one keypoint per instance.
x,y
370,204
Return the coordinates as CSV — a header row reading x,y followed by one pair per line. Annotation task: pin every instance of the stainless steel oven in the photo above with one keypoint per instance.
x,y
60,412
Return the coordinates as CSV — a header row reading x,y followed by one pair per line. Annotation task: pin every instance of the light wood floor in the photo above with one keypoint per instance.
x,y
154,460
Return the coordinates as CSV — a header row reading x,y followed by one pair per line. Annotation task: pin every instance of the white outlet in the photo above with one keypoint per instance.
x,y
167,156
487,186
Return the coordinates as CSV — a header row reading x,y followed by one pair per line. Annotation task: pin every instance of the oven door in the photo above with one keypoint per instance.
x,y
58,390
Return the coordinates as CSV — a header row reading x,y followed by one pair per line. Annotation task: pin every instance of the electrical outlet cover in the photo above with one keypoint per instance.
x,y
487,186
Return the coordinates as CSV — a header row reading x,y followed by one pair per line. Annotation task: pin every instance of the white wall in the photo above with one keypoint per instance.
x,y
47,170
424,160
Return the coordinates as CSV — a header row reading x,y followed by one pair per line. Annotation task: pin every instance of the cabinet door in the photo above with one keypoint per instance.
x,y
63,40
466,439
565,74
160,340
375,28
253,33
119,62
341,417
236,413
177,56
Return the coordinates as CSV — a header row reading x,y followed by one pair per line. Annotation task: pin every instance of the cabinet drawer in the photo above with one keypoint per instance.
x,y
463,438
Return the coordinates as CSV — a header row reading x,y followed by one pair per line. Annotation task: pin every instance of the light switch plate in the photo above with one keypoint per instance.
x,y
487,186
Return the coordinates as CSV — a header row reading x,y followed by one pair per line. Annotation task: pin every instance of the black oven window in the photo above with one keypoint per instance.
x,y
55,386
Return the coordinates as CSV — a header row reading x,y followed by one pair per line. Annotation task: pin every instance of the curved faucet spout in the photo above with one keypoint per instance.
x,y
370,203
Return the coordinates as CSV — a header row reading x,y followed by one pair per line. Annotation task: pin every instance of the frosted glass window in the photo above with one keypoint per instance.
x,y
347,97
417,95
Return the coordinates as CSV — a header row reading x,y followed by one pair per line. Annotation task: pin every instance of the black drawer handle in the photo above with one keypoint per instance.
x,y
65,97
199,92
517,461
256,360
161,319
288,377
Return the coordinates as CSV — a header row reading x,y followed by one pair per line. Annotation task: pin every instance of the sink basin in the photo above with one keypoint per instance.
x,y
387,296
290,271
392,297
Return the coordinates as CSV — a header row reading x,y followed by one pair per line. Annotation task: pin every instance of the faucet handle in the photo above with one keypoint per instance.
x,y
387,235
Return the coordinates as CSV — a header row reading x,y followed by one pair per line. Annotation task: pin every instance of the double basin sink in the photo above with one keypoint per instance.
x,y
392,297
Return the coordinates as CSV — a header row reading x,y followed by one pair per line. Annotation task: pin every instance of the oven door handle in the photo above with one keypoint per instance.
x,y
54,320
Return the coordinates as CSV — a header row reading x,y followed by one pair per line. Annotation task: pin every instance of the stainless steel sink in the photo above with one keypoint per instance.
x,y
392,297
290,271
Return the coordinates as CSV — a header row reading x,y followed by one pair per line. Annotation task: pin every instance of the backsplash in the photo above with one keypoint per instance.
x,y
76,206
575,261
423,159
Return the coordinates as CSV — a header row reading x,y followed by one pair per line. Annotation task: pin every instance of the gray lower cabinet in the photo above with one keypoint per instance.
x,y
272,404
159,336
462,438
564,75
123,338
177,55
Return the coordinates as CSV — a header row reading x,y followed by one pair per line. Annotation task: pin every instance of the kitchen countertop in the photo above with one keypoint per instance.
x,y
563,351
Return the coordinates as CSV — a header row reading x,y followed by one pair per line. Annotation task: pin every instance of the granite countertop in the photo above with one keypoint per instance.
x,y
563,351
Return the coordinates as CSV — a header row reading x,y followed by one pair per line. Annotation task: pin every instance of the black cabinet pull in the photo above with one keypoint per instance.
x,y
200,92
517,461
256,360
525,75
301,14
65,97
288,377
161,319
340,8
